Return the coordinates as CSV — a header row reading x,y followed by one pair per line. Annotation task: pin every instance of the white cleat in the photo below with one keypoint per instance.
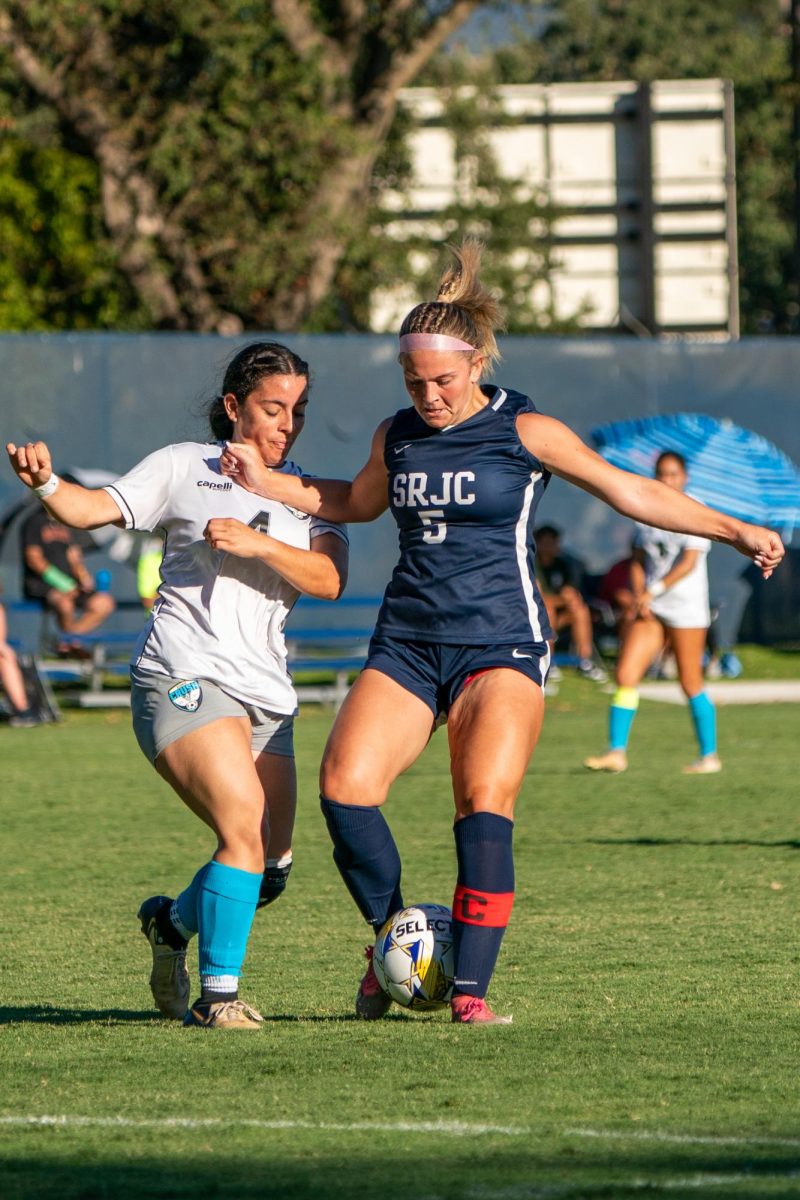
x,y
613,761
709,764
169,977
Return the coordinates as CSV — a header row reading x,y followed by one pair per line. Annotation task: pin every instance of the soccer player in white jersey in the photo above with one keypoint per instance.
x,y
670,584
212,700
462,629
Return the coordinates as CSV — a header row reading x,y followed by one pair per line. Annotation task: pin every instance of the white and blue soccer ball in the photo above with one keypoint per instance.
x,y
413,957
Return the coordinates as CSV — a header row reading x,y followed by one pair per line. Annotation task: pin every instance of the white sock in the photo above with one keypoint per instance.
x,y
226,984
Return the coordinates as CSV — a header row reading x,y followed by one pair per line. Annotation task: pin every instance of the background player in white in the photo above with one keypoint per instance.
x,y
670,584
211,696
466,570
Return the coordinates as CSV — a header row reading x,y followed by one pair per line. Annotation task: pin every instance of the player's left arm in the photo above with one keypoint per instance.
x,y
562,452
320,571
685,563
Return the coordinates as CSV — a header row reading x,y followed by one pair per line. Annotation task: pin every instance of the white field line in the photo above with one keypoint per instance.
x,y
563,1191
447,1128
683,1139
456,1129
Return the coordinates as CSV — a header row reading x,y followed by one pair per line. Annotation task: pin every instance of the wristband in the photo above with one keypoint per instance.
x,y
54,577
657,589
47,489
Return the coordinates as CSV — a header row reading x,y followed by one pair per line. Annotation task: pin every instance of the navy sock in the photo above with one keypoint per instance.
x,y
367,857
483,898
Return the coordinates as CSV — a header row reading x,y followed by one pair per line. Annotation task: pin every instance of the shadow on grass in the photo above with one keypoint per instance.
x,y
445,1170
50,1014
665,841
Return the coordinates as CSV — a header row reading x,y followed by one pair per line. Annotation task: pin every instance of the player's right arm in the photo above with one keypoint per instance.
x,y
79,507
338,500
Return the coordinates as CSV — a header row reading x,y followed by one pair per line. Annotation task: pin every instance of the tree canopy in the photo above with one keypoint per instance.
x,y
217,165
233,142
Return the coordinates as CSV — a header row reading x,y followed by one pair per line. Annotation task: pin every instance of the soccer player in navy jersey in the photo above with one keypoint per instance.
x,y
462,630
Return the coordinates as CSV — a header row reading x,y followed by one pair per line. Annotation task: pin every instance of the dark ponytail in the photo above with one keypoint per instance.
x,y
244,373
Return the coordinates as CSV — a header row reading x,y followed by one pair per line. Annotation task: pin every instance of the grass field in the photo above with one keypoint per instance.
x,y
651,967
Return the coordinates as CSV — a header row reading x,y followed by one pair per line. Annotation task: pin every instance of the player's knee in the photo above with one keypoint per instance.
x,y
491,798
243,843
350,783
274,880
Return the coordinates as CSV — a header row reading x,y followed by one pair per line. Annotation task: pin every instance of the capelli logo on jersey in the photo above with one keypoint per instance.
x,y
216,487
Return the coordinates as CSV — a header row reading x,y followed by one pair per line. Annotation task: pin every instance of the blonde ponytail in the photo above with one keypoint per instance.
x,y
464,307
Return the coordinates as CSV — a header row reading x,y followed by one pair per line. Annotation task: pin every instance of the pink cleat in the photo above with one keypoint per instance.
x,y
372,1003
473,1010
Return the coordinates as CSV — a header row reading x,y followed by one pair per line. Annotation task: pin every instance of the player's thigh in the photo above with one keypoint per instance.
x,y
644,639
381,729
278,777
493,728
212,770
688,646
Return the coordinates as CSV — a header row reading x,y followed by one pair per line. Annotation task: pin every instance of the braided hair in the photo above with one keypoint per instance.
x,y
244,373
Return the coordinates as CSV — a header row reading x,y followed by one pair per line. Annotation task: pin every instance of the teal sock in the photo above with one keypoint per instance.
x,y
620,717
226,906
704,718
184,907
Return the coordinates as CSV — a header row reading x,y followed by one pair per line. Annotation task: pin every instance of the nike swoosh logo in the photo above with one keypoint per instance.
x,y
516,654
400,449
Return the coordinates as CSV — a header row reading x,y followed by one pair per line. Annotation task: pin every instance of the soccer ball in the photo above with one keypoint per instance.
x,y
413,957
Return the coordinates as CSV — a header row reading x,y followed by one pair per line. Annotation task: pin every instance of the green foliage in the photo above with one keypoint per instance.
x,y
742,40
650,965
57,269
236,133
228,125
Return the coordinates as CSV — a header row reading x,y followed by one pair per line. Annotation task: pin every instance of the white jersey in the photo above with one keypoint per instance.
x,y
684,605
217,617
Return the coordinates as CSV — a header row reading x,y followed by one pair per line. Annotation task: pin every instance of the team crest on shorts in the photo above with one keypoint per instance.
x,y
187,695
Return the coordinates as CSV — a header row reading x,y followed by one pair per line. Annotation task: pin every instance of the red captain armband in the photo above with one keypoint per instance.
x,y
492,909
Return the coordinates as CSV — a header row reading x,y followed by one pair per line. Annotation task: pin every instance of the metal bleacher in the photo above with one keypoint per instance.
x,y
323,658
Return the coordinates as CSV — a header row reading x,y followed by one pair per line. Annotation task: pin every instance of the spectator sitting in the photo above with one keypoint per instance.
x,y
12,682
616,590
55,575
557,576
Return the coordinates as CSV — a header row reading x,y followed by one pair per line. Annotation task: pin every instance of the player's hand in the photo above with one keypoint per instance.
x,y
230,536
243,463
643,605
762,545
32,463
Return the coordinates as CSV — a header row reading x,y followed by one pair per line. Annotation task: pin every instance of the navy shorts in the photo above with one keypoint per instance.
x,y
437,673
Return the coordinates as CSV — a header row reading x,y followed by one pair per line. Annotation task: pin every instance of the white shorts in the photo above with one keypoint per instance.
x,y
164,709
694,615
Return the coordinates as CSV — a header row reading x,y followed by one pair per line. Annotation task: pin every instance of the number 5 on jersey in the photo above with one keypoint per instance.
x,y
434,519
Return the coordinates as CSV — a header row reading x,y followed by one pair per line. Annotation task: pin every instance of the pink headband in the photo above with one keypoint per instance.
x,y
432,341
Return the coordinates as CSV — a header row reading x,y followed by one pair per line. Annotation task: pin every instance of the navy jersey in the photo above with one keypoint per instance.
x,y
464,500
